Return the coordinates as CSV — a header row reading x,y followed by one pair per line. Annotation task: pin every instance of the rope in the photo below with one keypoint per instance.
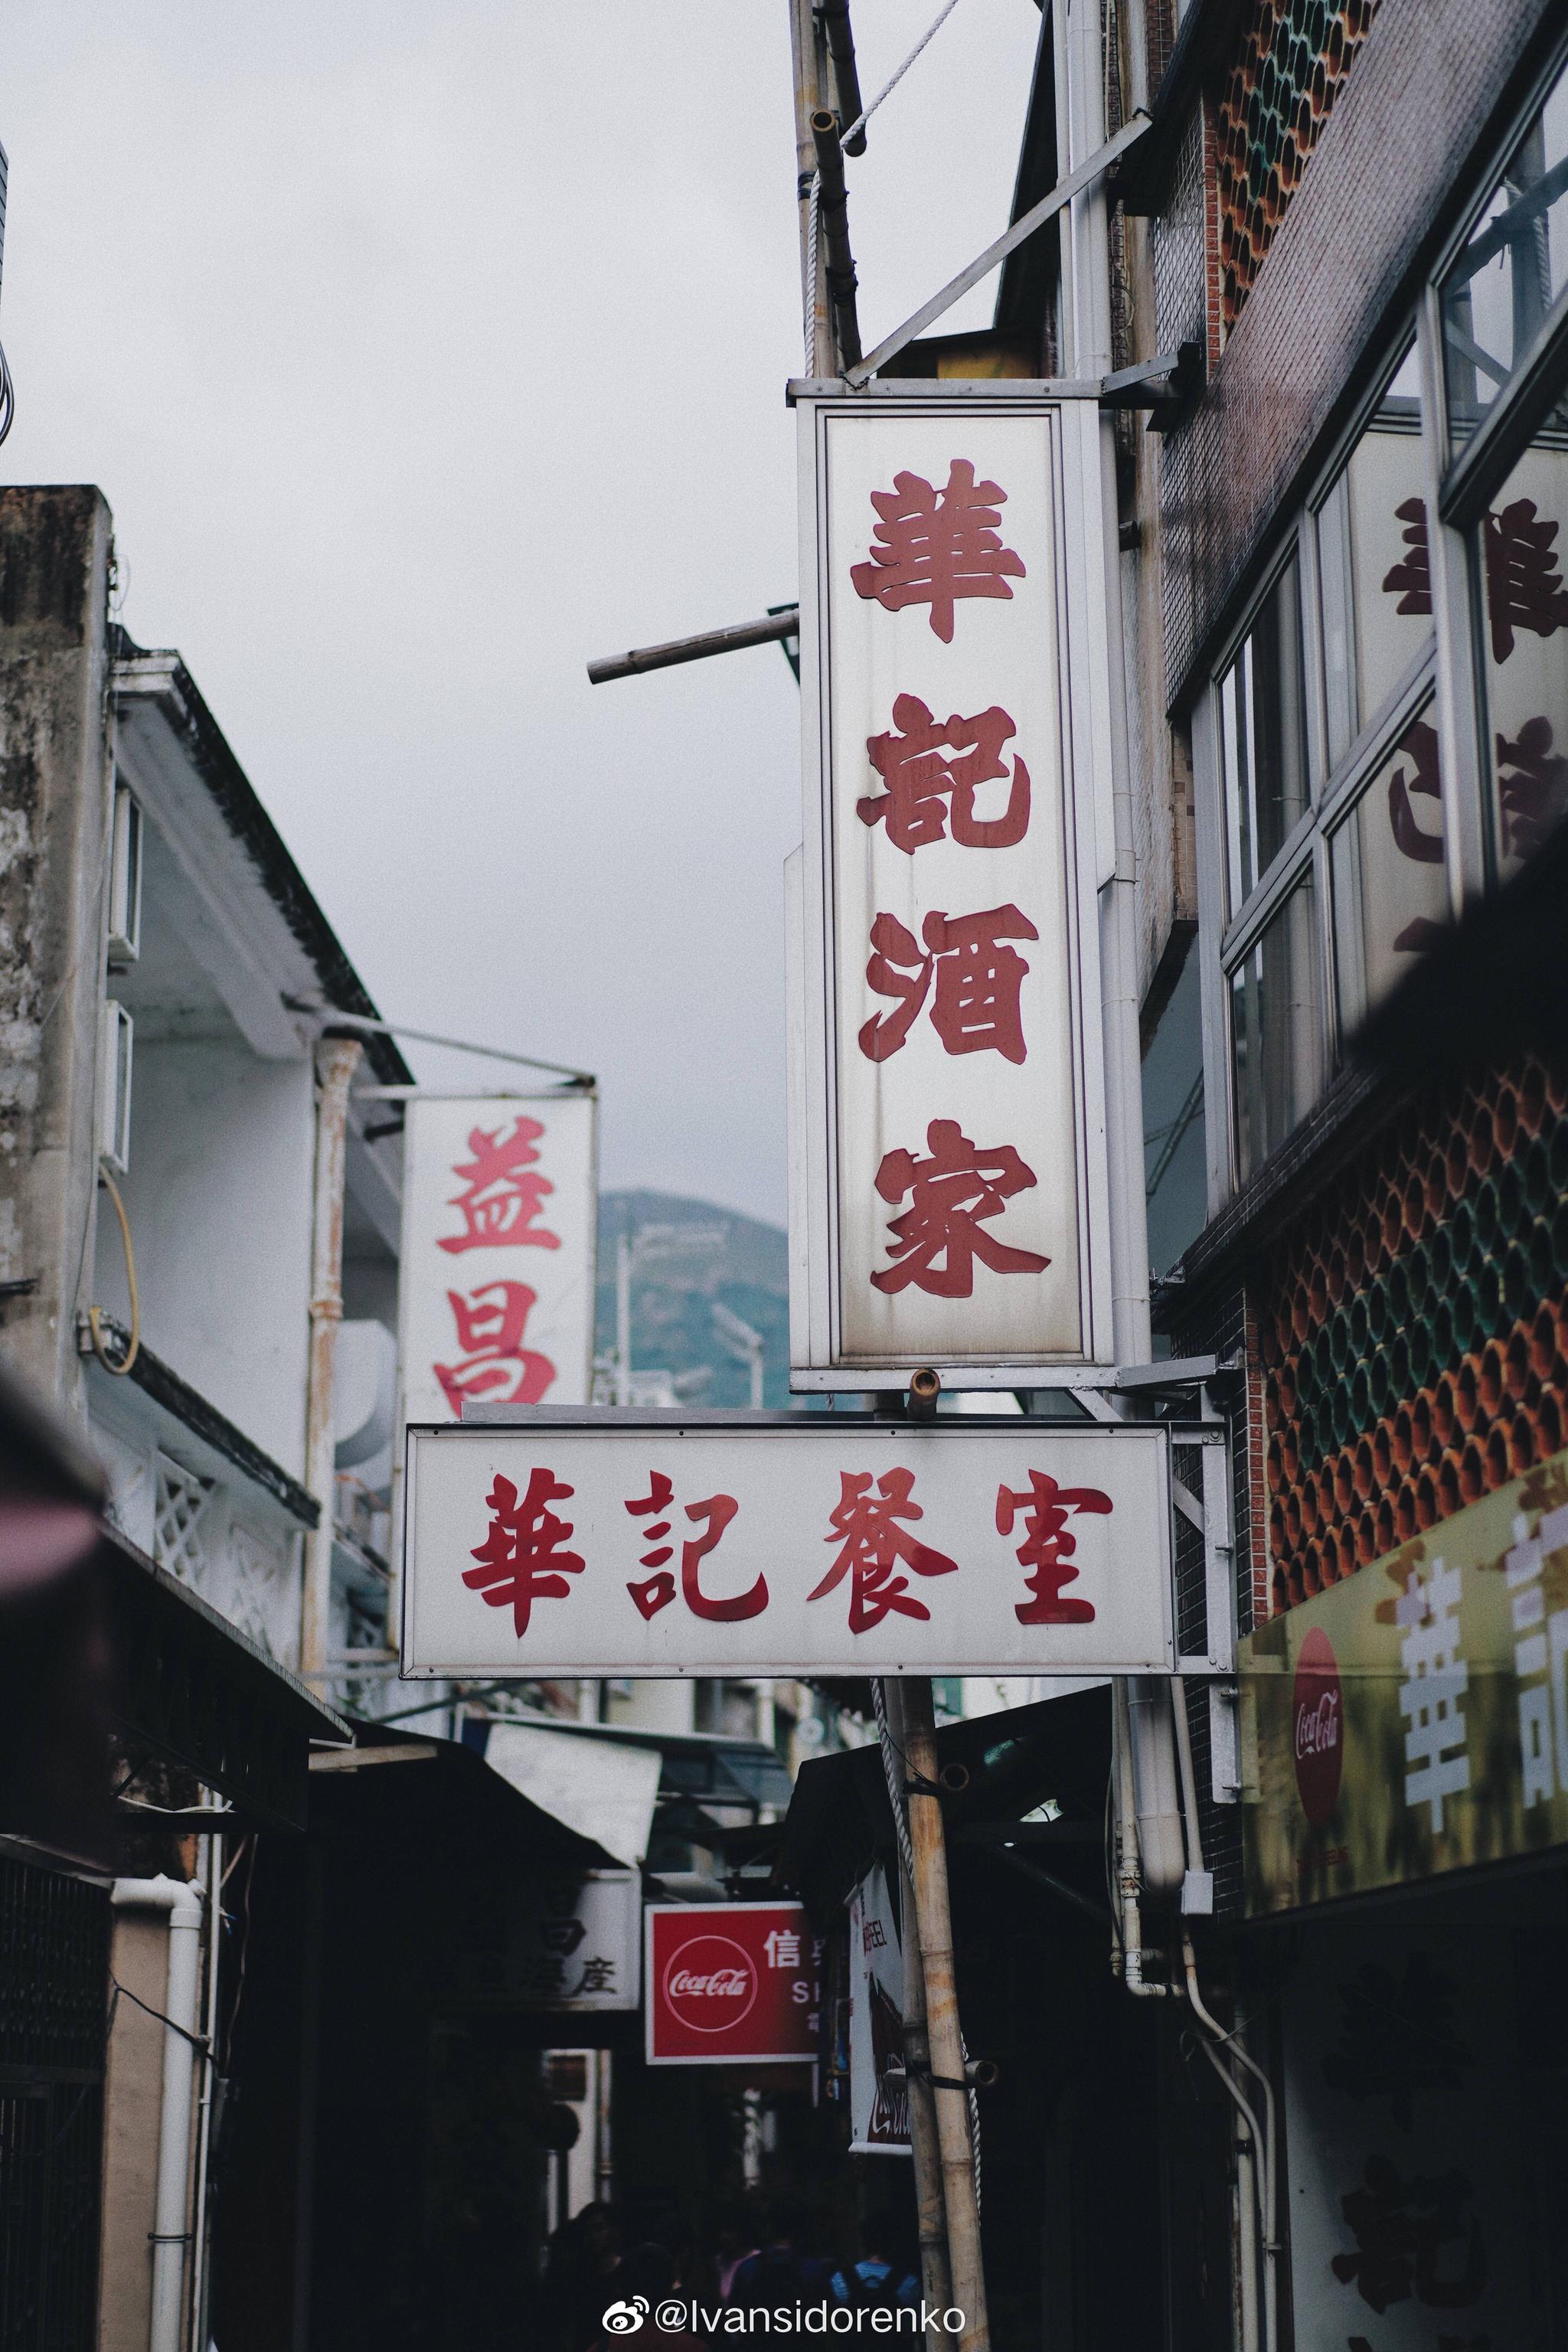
x,y
861,119
95,1313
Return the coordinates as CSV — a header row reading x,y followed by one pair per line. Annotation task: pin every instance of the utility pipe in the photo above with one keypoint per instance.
x,y
835,14
1128,1874
835,260
934,1921
930,2211
1161,1853
337,1058
1265,2141
171,2204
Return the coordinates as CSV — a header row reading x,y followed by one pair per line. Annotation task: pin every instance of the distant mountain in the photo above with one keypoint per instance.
x,y
690,1257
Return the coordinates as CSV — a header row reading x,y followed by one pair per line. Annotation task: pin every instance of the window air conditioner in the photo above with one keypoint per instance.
x,y
125,878
114,1086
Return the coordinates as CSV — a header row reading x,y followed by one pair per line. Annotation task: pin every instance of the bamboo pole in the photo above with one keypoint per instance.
x,y
835,260
936,2283
951,2098
808,53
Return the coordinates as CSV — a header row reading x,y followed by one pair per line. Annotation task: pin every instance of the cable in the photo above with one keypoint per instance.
x,y
95,1313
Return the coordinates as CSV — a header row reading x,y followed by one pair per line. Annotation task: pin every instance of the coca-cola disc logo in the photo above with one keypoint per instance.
x,y
709,1984
1317,1727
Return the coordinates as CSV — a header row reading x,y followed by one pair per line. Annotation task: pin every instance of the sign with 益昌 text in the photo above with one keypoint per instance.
x,y
660,1544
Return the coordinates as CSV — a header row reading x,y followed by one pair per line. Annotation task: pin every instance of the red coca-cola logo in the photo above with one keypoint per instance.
x,y
1317,1727
709,1984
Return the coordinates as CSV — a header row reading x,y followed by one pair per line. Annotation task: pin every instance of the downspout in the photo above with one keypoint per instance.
x,y
337,1058
1263,2140
1128,1875
171,2205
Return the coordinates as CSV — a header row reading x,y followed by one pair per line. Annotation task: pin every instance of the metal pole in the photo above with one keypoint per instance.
x,y
936,2286
835,260
949,2092
809,57
337,1058
623,1318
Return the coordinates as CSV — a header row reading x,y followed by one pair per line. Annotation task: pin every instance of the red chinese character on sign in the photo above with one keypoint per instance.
x,y
1524,586
1533,786
522,1560
657,1592
873,1544
1412,2239
501,1200
976,1006
1046,1549
929,789
936,546
1411,579
939,1236
496,1365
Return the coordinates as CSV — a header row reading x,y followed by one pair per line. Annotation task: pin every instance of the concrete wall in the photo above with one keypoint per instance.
x,y
55,548
218,1198
133,2098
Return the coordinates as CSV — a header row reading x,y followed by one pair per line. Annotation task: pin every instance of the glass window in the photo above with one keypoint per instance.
x,y
1372,563
1518,557
1263,737
1174,1165
1511,272
1275,1032
1391,891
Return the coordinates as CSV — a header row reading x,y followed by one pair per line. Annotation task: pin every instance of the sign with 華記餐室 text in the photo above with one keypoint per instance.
x,y
496,1278
790,1545
950,1202
727,1982
1414,1718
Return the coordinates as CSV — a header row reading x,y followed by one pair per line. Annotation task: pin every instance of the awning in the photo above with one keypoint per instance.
x,y
397,1784
1025,1763
601,1789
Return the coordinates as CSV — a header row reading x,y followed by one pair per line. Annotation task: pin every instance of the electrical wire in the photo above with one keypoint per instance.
x,y
95,1313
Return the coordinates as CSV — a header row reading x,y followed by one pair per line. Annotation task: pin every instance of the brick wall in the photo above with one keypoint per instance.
x,y
1432,80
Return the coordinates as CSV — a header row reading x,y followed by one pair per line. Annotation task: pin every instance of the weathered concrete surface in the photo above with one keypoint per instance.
x,y
56,789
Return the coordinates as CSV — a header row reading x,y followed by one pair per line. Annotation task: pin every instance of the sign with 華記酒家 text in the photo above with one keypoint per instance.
x,y
496,1279
951,1193
803,1544
730,1982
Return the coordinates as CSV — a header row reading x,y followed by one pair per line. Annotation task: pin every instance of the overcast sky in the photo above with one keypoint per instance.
x,y
424,350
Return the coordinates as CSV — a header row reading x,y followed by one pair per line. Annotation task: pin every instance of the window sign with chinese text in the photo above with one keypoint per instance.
x,y
569,1941
948,1079
879,2095
497,1274
655,1545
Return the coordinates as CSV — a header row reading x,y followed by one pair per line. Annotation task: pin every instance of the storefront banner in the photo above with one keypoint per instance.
x,y
730,1983
950,1130
790,1544
569,1941
1414,1719
496,1279
879,2105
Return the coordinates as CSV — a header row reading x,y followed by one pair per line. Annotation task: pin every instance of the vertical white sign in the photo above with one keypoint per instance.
x,y
496,1286
878,2092
956,767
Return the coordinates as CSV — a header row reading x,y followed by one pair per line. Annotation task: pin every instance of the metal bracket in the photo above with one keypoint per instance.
x,y
1167,385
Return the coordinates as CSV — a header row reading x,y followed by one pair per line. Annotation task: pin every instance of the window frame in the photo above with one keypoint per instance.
x,y
1448,674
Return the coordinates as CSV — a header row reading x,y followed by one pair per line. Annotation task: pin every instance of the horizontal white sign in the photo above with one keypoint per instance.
x,y
954,1208
787,1545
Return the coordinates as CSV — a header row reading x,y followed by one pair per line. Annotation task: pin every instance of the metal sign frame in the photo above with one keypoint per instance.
x,y
699,1652
819,1357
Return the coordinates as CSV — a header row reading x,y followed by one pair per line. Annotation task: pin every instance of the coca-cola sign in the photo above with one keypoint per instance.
x,y
729,1982
709,1984
1318,1728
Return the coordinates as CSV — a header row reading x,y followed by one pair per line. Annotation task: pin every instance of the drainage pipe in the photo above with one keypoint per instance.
x,y
1263,2140
170,2208
1128,1875
337,1058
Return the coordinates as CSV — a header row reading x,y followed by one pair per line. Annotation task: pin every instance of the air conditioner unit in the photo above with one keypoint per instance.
x,y
125,878
114,1086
